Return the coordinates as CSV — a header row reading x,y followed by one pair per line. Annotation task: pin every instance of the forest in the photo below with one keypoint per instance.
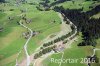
x,y
90,27
2,0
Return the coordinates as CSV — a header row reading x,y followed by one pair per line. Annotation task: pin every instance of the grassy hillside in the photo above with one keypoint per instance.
x,y
79,4
11,40
72,53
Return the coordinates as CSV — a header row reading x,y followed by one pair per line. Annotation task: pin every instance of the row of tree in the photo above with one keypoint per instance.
x,y
47,47
60,38
44,51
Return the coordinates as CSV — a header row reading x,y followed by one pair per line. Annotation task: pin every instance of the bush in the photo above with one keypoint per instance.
x,y
11,10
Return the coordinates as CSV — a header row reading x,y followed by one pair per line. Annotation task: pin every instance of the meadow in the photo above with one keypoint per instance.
x,y
74,52
11,40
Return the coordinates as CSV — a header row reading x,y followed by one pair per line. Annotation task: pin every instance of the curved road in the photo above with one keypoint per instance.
x,y
28,60
25,45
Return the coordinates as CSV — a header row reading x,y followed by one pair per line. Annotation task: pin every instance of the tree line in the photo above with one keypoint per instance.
x,y
49,46
62,38
44,51
2,1
90,27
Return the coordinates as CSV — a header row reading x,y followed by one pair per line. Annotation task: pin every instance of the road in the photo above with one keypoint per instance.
x,y
64,29
94,52
25,45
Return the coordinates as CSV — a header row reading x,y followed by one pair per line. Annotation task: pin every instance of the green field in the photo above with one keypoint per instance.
x,y
11,41
96,16
79,4
74,52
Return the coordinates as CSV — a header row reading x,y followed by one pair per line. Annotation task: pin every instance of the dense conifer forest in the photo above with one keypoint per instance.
x,y
2,0
90,27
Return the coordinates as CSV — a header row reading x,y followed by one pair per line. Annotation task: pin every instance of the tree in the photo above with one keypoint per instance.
x,y
2,1
88,27
1,29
